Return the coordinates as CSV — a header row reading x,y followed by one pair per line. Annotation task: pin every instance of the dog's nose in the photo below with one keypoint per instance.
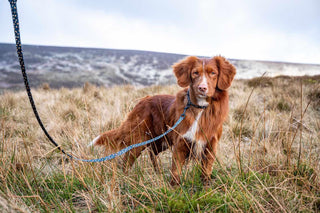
x,y
203,88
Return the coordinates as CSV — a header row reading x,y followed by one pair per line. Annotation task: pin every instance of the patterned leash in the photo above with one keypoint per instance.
x,y
15,19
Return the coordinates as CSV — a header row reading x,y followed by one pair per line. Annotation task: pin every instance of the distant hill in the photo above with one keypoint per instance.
x,y
72,67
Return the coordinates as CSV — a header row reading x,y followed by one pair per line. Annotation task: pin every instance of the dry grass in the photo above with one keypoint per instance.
x,y
268,159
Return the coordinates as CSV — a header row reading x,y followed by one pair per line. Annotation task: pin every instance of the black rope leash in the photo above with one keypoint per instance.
x,y
15,20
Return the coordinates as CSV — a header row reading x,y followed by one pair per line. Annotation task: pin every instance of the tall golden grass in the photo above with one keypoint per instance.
x,y
268,157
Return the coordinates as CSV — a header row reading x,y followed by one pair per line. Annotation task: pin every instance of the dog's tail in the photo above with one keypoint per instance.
x,y
95,141
107,139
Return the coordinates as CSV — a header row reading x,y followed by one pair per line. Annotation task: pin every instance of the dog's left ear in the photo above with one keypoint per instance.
x,y
182,70
226,72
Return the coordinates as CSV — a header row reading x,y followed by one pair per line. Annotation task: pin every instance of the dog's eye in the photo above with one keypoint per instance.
x,y
212,73
196,73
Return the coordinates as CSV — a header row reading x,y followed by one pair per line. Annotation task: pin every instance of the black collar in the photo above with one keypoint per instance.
x,y
192,104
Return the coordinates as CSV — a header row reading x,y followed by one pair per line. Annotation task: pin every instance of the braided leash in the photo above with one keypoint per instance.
x,y
15,19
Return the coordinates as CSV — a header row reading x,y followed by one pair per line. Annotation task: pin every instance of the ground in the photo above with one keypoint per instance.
x,y
268,156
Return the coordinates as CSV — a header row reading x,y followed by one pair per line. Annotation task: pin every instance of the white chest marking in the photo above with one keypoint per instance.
x,y
198,145
199,148
191,133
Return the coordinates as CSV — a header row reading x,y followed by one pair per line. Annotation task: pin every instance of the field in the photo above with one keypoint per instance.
x,y
268,157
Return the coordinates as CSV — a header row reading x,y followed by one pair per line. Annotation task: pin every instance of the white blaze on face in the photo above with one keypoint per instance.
x,y
202,100
204,79
204,82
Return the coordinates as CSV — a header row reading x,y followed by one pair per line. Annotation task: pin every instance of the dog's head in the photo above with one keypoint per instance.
x,y
204,76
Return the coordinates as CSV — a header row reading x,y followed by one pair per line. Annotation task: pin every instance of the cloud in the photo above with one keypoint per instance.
x,y
67,24
244,30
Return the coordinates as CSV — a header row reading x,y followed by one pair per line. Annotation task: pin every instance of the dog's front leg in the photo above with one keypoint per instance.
x,y
208,159
180,153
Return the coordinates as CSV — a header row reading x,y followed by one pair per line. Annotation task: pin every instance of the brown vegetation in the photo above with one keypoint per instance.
x,y
268,158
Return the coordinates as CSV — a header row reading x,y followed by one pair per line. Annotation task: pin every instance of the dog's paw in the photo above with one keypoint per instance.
x,y
175,182
206,180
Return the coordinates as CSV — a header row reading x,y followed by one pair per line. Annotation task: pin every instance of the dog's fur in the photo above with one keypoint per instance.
x,y
197,135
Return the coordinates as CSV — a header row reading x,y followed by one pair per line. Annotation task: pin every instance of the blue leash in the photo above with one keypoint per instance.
x,y
121,152
15,20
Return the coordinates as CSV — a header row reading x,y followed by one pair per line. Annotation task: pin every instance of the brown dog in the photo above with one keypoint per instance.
x,y
197,135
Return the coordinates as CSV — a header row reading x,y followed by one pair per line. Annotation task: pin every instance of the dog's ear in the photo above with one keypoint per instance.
x,y
182,70
226,72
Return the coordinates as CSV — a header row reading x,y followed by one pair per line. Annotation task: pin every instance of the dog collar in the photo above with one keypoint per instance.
x,y
192,104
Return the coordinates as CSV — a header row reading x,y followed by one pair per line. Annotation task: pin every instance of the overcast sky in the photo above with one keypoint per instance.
x,y
277,30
